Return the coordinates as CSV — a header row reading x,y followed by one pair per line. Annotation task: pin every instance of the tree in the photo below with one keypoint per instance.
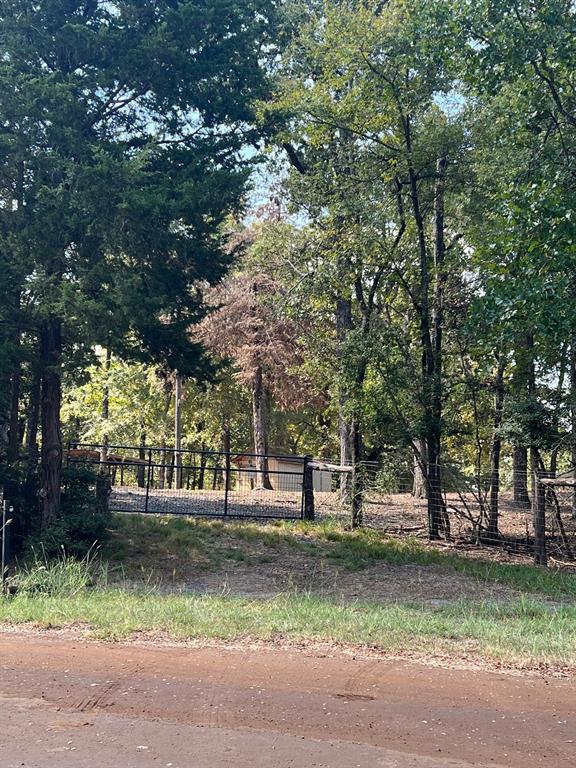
x,y
376,161
519,66
126,119
246,327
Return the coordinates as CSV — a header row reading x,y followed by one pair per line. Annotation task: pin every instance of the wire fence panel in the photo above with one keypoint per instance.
x,y
463,505
204,483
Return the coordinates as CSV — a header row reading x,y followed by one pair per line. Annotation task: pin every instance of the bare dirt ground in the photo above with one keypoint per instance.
x,y
294,572
66,702
264,572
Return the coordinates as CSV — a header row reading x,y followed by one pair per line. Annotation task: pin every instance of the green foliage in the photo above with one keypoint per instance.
x,y
81,524
529,423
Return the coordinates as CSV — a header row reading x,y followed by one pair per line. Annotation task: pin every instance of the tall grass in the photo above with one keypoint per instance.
x,y
63,576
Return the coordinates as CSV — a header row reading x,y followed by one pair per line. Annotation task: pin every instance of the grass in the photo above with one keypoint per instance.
x,y
523,633
141,543
529,631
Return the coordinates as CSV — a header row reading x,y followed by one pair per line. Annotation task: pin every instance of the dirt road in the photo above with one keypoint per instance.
x,y
74,704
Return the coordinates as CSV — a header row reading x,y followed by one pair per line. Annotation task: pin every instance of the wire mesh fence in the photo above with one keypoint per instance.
x,y
555,517
460,505
203,483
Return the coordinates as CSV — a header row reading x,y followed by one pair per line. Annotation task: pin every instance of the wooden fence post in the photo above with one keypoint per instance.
x,y
539,519
308,490
357,495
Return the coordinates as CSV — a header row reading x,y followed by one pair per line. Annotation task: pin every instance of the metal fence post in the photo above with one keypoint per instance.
x,y
308,512
148,477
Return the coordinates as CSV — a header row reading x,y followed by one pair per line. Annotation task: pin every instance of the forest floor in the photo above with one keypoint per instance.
x,y
304,584
69,702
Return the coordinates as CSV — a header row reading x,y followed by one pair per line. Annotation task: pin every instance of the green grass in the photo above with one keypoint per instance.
x,y
522,633
140,544
526,632
358,549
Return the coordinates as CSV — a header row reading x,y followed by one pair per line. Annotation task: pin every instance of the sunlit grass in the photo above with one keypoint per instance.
x,y
522,633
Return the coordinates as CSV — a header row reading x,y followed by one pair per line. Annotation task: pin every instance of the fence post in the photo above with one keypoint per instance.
x,y
6,523
539,519
357,494
308,512
226,480
148,475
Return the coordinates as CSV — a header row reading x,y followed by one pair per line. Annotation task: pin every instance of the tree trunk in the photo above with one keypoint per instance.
x,y
573,417
202,471
162,467
141,473
534,454
163,453
493,533
520,476
260,431
430,337
14,423
226,450
32,418
178,396
539,519
345,422
357,484
419,489
433,354
51,396
105,406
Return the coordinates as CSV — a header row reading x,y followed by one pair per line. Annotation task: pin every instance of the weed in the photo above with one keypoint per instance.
x,y
62,576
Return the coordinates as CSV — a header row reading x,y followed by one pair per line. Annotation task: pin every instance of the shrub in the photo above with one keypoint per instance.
x,y
83,520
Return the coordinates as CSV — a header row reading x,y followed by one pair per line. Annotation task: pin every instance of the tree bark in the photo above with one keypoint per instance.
x,y
32,418
493,533
163,454
539,519
259,423
520,475
105,405
14,443
345,422
357,485
419,489
178,397
51,397
430,337
141,473
573,416
433,354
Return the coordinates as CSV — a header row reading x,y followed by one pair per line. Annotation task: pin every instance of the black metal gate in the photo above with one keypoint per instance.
x,y
200,483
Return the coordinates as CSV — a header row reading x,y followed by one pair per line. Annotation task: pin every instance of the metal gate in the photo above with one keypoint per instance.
x,y
201,483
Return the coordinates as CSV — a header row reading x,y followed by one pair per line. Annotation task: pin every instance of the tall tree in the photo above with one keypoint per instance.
x,y
246,328
126,118
376,156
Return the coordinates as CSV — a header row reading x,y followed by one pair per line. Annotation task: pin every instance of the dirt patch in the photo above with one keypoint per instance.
x,y
131,705
293,571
